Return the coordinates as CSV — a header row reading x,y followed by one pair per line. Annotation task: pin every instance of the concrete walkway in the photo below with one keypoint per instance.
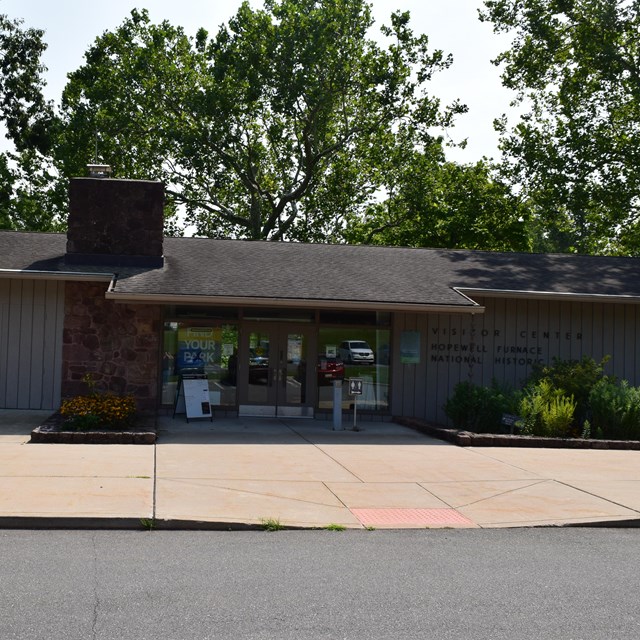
x,y
301,473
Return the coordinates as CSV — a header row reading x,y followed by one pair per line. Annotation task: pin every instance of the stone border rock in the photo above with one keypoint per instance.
x,y
469,439
51,431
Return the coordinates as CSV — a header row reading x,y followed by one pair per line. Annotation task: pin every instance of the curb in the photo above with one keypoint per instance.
x,y
50,432
53,522
469,439
131,524
148,524
44,435
632,523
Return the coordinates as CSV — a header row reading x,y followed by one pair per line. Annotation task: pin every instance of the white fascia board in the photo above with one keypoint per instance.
x,y
30,274
291,302
549,295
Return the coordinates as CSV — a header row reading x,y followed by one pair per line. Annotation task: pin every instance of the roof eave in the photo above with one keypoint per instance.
x,y
291,303
31,274
549,295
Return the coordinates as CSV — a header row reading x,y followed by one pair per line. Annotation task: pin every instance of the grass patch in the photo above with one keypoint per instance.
x,y
148,523
271,524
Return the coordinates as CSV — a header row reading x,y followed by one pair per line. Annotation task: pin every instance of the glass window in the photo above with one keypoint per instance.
x,y
209,348
349,352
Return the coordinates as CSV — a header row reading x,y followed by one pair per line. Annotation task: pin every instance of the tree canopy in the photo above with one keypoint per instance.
x,y
575,152
249,127
444,204
291,122
30,195
26,114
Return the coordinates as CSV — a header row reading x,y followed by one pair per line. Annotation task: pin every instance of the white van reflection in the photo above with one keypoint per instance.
x,y
356,352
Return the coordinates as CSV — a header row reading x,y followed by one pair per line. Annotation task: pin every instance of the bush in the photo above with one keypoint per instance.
x,y
480,409
567,399
576,378
547,411
615,410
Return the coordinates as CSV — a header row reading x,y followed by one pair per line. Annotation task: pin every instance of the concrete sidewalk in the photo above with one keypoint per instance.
x,y
231,473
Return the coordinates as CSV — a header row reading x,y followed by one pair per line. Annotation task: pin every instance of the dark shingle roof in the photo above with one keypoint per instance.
x,y
318,272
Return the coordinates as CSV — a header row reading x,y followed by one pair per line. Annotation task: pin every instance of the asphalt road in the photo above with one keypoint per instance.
x,y
473,584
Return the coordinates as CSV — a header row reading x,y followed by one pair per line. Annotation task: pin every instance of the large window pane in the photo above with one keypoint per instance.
x,y
207,348
348,352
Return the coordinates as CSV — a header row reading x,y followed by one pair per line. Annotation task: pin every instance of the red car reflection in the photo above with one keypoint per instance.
x,y
329,369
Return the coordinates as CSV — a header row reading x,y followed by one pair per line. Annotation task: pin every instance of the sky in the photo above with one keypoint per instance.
x,y
71,26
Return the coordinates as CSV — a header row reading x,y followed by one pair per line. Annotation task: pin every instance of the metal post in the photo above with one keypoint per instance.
x,y
337,405
355,412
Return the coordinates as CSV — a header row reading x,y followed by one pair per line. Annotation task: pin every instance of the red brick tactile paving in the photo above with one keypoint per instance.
x,y
411,517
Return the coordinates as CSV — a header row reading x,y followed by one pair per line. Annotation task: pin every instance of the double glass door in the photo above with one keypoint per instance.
x,y
275,375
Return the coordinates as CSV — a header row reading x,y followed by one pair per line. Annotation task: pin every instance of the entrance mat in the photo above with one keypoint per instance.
x,y
411,517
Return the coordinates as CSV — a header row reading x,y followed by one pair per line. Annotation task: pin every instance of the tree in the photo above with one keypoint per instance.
x,y
575,65
435,203
265,131
30,196
28,117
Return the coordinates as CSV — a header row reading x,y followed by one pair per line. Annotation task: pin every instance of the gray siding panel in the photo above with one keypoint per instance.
x,y
13,350
506,342
630,324
31,319
5,287
53,345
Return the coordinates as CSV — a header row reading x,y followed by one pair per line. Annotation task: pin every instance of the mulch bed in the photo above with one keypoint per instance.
x,y
53,431
469,439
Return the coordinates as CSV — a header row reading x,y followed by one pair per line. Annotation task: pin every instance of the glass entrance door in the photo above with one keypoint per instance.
x,y
273,371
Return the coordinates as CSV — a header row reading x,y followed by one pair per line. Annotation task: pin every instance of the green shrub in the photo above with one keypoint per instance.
x,y
479,409
547,411
615,410
576,378
569,398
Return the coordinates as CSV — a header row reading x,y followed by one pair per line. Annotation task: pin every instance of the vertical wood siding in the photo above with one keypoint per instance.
x,y
31,319
504,343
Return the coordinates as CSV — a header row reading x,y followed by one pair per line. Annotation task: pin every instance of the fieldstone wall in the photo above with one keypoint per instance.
x,y
119,344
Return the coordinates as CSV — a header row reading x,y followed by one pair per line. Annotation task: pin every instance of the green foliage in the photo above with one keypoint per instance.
x,y
269,129
568,398
479,409
576,378
573,153
271,524
149,524
31,196
27,115
547,411
434,203
615,410
335,527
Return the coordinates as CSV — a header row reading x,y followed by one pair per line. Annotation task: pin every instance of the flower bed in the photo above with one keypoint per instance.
x,y
96,418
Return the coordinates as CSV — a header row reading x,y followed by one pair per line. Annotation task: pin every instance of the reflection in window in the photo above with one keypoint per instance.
x,y
349,352
202,348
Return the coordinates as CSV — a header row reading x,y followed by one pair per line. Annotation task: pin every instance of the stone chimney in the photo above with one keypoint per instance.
x,y
115,222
